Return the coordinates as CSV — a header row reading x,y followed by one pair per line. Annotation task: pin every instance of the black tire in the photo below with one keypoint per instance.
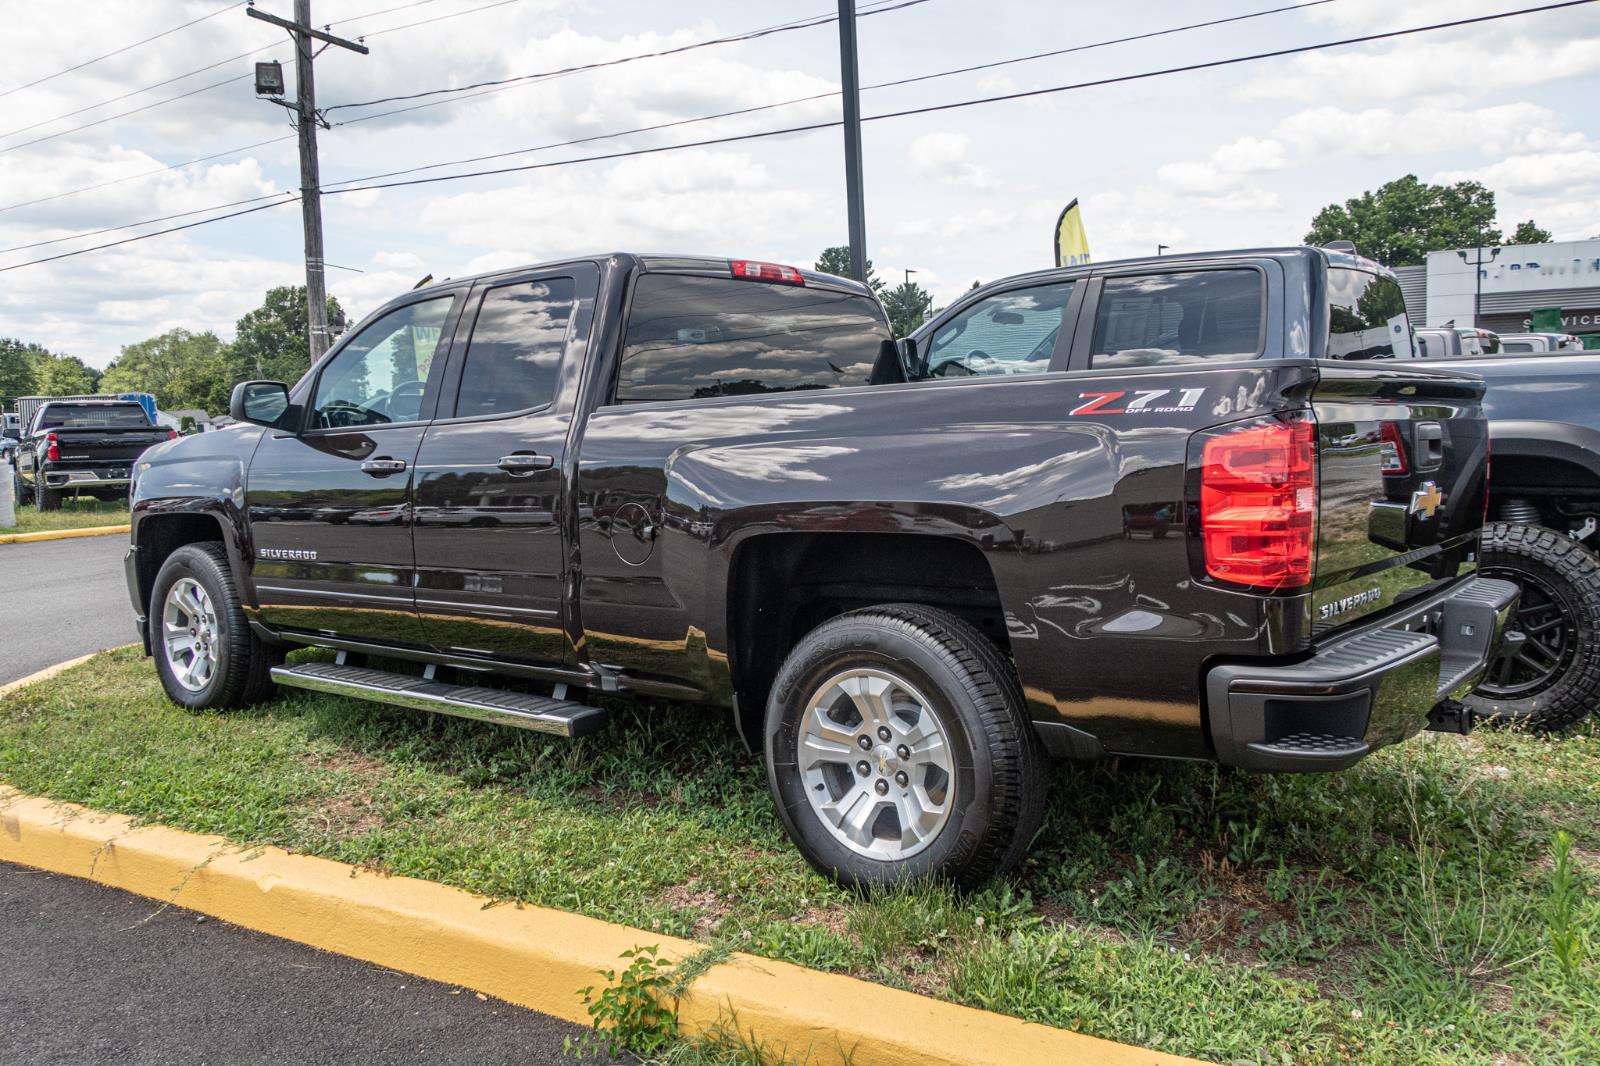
x,y
1551,679
995,794
242,662
20,493
48,499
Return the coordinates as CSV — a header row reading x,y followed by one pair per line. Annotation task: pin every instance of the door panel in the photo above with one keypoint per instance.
x,y
333,542
489,544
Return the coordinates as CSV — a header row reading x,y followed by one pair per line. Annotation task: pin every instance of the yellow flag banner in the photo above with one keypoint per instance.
x,y
1072,244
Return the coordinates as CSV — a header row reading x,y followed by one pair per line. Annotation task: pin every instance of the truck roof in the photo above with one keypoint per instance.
x,y
704,265
1333,257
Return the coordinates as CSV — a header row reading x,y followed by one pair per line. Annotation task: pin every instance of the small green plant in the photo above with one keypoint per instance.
x,y
1566,938
629,1013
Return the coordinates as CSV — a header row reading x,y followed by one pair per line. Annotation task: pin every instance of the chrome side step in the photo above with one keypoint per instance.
x,y
562,717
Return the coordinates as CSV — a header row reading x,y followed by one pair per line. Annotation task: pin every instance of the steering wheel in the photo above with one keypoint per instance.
x,y
961,369
397,409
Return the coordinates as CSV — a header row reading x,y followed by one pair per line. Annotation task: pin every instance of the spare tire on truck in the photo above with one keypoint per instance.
x,y
1547,675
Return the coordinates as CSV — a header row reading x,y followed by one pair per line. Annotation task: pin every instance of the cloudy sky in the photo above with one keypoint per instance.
x,y
1236,156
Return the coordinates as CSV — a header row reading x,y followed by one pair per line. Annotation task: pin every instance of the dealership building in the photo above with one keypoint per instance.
x,y
1513,281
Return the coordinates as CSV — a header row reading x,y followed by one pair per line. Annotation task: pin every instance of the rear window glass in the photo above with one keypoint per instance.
x,y
1178,318
1366,316
690,338
93,416
1516,346
516,348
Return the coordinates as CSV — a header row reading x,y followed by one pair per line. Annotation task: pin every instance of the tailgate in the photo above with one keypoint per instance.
x,y
1402,462
102,445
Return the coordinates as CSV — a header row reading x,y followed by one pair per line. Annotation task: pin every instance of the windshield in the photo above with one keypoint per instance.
x,y
92,416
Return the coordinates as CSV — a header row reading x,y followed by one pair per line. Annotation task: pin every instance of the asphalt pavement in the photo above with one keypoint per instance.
x,y
60,599
89,975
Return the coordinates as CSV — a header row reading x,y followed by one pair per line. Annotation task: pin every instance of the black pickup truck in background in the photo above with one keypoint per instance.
x,y
83,447
1128,508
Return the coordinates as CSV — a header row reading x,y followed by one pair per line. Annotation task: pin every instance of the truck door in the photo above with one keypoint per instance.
x,y
489,492
329,505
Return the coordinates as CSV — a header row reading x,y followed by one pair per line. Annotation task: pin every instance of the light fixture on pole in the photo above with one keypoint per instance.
x,y
269,78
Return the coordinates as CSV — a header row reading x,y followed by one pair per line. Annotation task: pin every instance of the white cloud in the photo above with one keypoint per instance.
x,y
943,157
1544,173
1225,169
1376,132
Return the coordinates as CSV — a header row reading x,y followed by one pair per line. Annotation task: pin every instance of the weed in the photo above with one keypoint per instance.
x,y
1567,939
629,1013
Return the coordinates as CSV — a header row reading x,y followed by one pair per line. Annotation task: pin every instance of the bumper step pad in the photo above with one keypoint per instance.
x,y
540,713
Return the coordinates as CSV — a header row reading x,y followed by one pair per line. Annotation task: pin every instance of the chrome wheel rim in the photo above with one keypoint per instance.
x,y
876,764
189,634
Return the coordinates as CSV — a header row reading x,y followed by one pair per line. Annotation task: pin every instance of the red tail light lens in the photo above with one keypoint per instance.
x,y
1393,449
52,448
172,434
1258,504
753,271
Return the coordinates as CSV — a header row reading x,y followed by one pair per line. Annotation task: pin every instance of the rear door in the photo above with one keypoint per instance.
x,y
329,503
489,544
1402,453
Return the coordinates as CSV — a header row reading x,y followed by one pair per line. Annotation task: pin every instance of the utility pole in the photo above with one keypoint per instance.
x,y
305,107
851,84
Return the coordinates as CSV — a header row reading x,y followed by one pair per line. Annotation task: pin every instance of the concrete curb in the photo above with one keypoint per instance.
x,y
531,956
60,534
46,674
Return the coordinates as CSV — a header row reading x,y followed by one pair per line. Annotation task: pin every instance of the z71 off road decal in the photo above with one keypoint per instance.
x,y
1142,402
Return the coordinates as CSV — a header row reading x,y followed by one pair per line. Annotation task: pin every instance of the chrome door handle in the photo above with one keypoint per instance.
x,y
519,464
383,467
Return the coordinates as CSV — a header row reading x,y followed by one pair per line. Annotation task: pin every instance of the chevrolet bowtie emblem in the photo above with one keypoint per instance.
x,y
1426,500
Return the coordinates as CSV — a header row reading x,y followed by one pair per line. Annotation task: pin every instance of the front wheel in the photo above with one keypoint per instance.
x,y
205,652
897,749
1547,674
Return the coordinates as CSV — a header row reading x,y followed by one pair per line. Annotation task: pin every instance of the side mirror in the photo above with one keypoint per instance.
x,y
908,357
261,402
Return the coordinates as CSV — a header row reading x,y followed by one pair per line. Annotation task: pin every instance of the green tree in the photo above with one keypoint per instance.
x,y
1401,222
63,375
1529,233
907,305
16,371
182,369
271,341
836,260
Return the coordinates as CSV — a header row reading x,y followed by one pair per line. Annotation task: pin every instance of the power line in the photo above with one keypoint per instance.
x,y
124,114
749,35
119,51
145,222
763,134
437,18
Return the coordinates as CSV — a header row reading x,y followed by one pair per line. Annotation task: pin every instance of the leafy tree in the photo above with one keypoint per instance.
x,y
1529,233
16,371
907,305
836,260
272,341
181,368
63,375
1403,221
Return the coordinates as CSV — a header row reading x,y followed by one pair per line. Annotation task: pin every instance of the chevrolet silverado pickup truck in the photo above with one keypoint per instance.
x,y
909,573
85,446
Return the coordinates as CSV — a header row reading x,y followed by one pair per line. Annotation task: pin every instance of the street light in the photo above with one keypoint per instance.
x,y
1161,248
1477,264
269,79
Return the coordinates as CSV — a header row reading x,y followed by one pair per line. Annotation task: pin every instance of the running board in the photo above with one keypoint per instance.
x,y
541,713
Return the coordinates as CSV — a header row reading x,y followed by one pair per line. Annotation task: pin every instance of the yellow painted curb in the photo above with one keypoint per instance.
x,y
46,674
60,534
531,956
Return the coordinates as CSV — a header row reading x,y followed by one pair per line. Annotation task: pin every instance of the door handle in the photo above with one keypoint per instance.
x,y
383,466
520,464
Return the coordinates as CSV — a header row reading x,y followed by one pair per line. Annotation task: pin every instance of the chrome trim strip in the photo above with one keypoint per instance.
x,y
403,600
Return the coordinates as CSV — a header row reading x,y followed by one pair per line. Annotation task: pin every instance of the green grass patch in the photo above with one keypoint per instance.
x,y
78,513
1411,910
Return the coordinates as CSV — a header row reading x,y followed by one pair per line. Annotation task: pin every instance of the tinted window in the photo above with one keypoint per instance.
x,y
1516,346
516,347
1366,316
1178,318
381,375
1008,333
92,416
694,337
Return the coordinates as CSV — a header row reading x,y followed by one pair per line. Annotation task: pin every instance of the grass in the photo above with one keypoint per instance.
x,y
78,513
1405,911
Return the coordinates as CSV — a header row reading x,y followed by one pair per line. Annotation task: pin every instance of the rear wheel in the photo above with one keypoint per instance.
x,y
897,748
47,498
1547,674
206,654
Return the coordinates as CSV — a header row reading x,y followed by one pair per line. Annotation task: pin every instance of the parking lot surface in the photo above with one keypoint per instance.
x,y
60,599
89,974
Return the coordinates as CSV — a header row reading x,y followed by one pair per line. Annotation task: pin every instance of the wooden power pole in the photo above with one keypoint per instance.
x,y
855,200
305,107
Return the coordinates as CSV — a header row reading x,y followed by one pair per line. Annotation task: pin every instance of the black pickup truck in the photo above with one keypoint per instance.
x,y
1121,509
82,446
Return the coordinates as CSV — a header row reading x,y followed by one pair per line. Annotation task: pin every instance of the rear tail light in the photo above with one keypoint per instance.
x,y
751,270
52,448
1392,446
172,434
1258,504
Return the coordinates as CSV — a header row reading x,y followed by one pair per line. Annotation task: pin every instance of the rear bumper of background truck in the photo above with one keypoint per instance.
x,y
1378,685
